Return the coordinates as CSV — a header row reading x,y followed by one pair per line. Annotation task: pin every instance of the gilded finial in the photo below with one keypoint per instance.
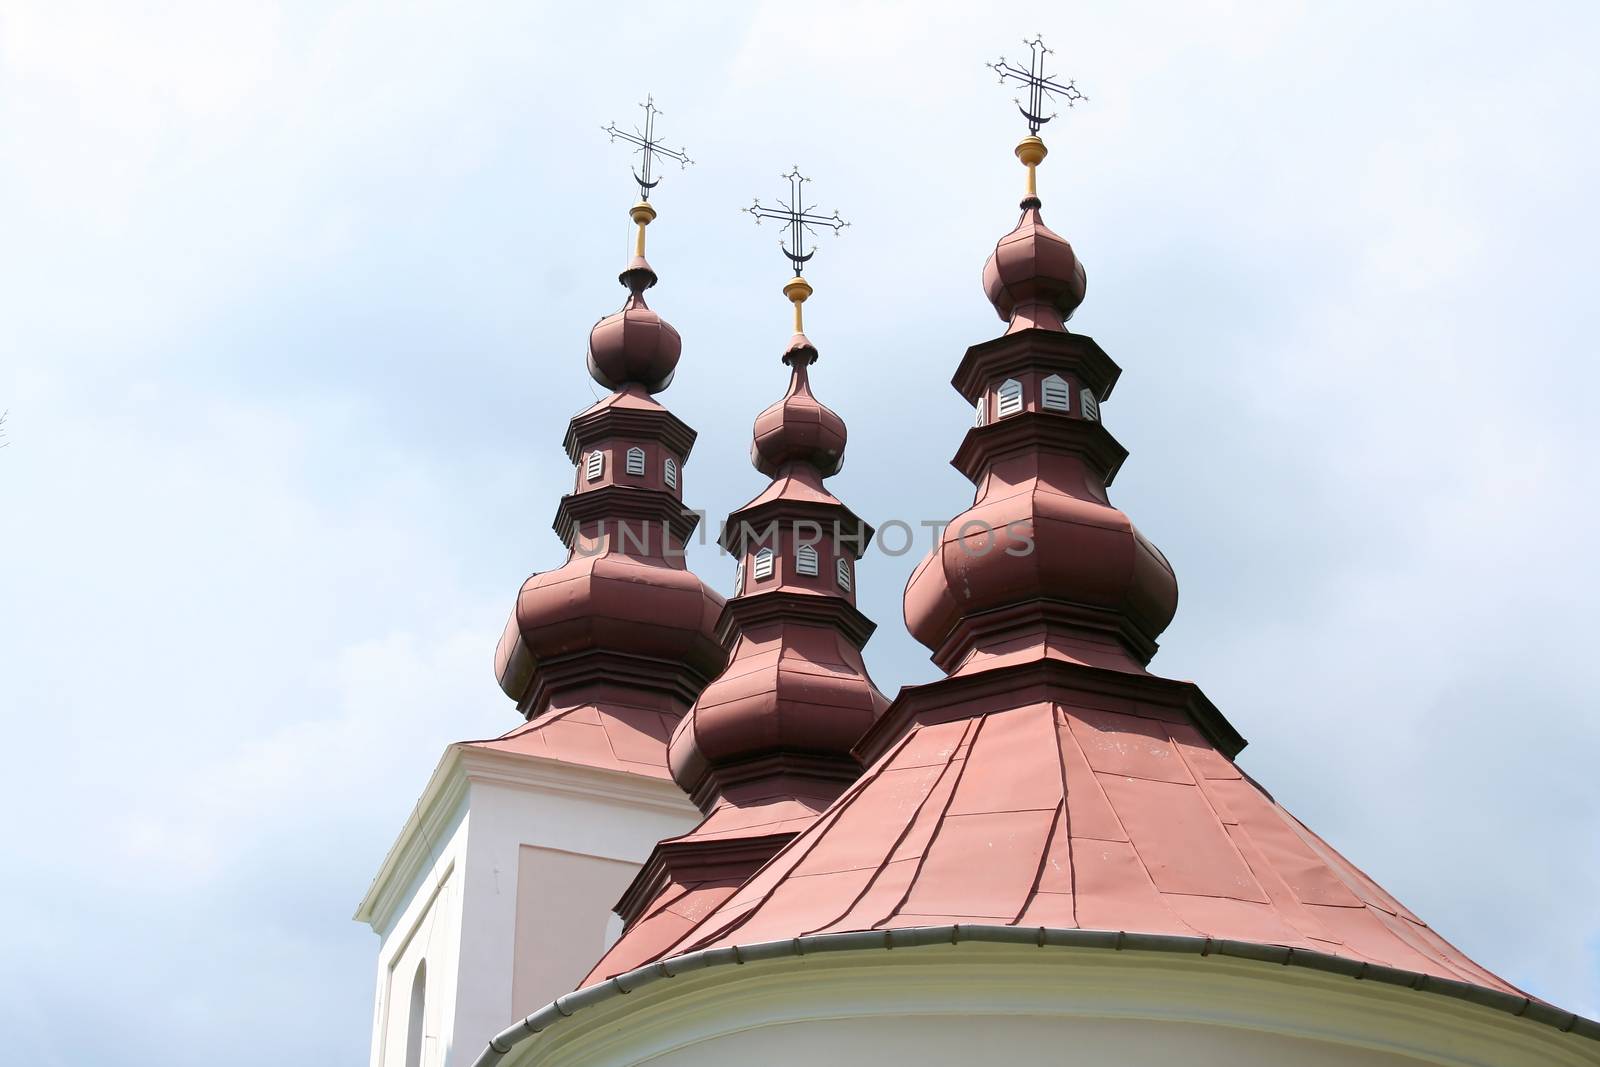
x,y
800,219
1041,87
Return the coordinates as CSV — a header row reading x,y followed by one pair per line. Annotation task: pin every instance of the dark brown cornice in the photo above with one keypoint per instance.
x,y
1040,350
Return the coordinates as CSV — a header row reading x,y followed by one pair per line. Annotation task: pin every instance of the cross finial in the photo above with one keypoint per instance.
x,y
800,219
1041,87
649,147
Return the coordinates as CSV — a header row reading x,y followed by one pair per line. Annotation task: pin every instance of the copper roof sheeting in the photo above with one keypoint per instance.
x,y
612,737
1075,817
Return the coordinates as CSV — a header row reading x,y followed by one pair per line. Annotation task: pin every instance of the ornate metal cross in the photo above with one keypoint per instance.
x,y
649,146
1041,86
800,219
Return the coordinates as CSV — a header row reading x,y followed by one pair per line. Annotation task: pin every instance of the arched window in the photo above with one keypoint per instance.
x,y
763,568
1010,398
841,571
1088,406
636,460
594,466
805,560
1054,394
670,471
415,1014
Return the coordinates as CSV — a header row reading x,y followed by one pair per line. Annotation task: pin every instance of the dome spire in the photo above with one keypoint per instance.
x,y
770,742
622,637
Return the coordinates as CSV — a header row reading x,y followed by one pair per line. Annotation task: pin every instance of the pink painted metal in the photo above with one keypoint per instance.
x,y
604,654
768,744
1050,779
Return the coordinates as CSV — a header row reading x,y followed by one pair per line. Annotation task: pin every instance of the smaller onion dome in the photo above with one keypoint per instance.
x,y
799,428
1034,278
634,346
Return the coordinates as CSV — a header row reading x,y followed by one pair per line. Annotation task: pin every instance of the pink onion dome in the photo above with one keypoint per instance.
x,y
631,606
1045,546
1034,278
634,346
798,428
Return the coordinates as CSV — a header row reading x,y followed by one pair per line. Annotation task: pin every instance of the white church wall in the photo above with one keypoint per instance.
x,y
975,1004
503,880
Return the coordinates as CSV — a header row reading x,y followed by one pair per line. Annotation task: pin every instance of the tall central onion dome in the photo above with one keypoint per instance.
x,y
604,654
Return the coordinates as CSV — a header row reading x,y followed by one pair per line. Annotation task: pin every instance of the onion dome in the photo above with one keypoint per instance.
x,y
635,346
798,428
605,653
1033,278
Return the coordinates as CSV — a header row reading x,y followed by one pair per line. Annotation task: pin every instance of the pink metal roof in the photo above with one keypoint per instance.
x,y
1075,817
613,737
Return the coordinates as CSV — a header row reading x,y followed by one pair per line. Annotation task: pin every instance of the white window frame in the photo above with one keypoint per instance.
x,y
669,471
805,560
636,461
594,465
841,572
1088,406
1008,398
1055,394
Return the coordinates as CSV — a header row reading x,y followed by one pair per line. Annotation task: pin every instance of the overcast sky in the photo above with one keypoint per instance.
x,y
293,305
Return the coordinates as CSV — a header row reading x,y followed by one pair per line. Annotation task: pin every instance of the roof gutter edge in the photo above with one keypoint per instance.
x,y
566,1006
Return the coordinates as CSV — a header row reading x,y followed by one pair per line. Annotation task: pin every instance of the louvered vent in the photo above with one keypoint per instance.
x,y
738,578
842,571
1055,395
983,410
594,465
763,568
1010,398
1088,406
671,472
805,561
636,460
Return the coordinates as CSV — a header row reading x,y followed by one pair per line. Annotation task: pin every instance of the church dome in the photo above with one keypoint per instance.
x,y
1052,538
798,428
1034,274
635,345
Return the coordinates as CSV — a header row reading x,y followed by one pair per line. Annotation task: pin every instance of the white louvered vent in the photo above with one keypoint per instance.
x,y
738,578
1055,395
763,568
594,465
670,470
805,561
636,460
1010,398
1088,406
983,410
841,571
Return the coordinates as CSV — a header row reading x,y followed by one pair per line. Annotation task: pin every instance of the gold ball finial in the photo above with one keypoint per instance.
x,y
642,213
1031,151
797,289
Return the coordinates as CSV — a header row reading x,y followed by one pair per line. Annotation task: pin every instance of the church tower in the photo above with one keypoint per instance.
x,y
768,745
1051,856
497,895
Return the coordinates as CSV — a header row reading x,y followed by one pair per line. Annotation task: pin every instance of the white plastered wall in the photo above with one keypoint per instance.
x,y
503,879
976,1005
